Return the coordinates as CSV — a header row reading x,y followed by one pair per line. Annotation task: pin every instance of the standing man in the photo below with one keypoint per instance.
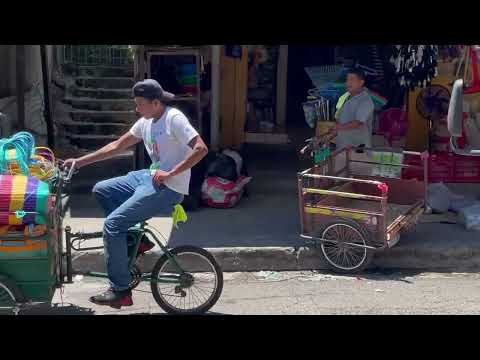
x,y
355,117
174,147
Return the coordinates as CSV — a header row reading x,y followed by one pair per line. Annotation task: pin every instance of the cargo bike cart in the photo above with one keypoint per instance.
x,y
352,208
185,280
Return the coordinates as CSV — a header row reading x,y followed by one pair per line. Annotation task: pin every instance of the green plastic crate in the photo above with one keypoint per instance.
x,y
33,271
38,291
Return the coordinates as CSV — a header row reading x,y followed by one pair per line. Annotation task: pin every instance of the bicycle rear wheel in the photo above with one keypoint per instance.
x,y
9,297
199,288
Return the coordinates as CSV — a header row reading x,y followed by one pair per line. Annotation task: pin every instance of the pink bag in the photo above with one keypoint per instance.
x,y
221,193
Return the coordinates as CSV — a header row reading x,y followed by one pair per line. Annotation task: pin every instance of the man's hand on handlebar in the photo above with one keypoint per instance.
x,y
69,167
67,164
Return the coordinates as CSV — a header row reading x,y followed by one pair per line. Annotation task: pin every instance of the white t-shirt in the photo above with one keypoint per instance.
x,y
166,141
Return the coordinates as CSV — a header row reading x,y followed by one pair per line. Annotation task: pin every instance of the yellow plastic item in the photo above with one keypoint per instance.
x,y
179,215
35,230
29,230
42,167
324,127
341,101
4,229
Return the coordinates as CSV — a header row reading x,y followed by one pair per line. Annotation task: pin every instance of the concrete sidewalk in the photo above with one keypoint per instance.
x,y
430,247
262,233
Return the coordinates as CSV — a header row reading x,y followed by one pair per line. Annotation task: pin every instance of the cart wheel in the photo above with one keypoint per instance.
x,y
341,257
9,297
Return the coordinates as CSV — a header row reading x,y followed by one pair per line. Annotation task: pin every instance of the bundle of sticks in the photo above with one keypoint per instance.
x,y
323,109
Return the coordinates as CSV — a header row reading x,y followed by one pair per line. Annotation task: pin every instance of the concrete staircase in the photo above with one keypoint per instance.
x,y
98,108
102,108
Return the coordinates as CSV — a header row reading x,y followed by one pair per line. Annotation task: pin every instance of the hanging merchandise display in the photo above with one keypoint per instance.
x,y
415,65
449,52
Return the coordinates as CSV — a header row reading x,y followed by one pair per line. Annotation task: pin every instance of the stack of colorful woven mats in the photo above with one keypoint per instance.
x,y
24,172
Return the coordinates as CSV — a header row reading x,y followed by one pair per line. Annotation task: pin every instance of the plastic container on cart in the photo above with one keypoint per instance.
x,y
446,167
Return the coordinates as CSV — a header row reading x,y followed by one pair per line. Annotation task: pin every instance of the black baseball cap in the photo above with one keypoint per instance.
x,y
152,90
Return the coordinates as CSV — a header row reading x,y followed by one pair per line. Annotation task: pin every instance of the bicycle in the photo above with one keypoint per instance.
x,y
186,270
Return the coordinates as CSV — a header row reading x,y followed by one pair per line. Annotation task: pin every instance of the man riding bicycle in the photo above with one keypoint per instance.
x,y
174,147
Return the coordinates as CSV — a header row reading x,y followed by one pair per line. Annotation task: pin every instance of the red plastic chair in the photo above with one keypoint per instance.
x,y
393,124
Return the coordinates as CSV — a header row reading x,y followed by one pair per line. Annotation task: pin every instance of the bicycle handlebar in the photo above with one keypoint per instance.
x,y
70,173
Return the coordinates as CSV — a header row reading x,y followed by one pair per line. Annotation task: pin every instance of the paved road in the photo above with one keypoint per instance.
x,y
306,293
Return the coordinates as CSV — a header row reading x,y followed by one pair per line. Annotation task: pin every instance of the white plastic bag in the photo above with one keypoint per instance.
x,y
470,217
439,197
458,204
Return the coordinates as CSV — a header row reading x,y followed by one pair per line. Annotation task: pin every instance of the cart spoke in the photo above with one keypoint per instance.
x,y
344,246
197,290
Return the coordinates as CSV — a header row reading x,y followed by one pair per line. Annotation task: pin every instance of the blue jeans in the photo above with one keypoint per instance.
x,y
127,201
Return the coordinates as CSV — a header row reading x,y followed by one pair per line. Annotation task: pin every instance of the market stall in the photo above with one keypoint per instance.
x,y
341,211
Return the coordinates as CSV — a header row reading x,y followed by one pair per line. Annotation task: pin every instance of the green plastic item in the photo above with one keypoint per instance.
x,y
33,271
34,275
388,163
188,80
322,155
179,215
341,101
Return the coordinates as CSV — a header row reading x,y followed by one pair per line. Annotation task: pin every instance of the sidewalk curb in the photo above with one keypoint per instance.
x,y
305,259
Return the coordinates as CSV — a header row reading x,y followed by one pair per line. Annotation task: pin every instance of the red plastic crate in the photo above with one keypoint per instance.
x,y
445,167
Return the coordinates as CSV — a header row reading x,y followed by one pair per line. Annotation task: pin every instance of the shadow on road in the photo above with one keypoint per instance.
x,y
164,314
71,309
57,309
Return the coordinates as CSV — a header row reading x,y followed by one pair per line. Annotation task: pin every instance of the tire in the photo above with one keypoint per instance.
x,y
10,296
162,265
354,259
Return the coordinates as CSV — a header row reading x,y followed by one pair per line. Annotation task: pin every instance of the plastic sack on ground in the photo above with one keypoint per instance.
x,y
458,204
237,158
439,197
223,167
470,217
222,193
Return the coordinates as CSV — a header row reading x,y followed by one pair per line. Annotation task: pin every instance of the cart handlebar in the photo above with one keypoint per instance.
x,y
67,175
70,173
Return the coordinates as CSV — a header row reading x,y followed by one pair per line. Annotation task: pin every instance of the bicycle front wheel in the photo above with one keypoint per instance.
x,y
199,287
